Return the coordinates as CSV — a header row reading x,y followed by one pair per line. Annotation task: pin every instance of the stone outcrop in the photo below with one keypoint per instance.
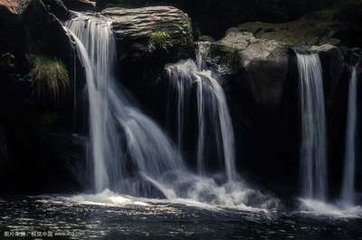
x,y
140,23
338,25
264,62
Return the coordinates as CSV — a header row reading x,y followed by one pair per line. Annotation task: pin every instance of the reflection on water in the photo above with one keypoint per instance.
x,y
111,216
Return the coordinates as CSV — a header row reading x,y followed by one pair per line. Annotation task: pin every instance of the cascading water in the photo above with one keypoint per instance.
x,y
212,109
202,50
350,151
313,150
115,124
129,152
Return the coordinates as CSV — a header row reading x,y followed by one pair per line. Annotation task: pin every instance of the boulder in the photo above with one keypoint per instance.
x,y
264,64
140,23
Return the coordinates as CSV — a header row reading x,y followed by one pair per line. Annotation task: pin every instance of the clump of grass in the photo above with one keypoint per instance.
x,y
50,77
159,40
231,58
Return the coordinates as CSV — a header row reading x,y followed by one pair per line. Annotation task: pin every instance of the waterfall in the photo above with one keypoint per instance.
x,y
128,152
116,126
350,151
202,50
313,149
212,110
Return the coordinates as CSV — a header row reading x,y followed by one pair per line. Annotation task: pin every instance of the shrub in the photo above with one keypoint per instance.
x,y
159,40
49,76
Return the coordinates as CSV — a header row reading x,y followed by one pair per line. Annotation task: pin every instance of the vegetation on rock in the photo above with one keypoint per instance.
x,y
49,76
231,58
159,40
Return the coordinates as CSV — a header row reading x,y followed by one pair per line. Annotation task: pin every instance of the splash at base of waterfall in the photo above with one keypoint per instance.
x,y
320,208
111,199
130,153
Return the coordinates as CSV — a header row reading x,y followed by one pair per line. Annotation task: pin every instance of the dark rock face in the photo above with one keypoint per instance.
x,y
33,133
44,33
58,8
263,94
265,63
262,91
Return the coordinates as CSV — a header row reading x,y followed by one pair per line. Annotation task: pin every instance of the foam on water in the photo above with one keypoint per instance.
x,y
320,208
108,198
129,152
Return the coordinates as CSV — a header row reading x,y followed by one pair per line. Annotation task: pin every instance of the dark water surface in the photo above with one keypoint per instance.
x,y
44,217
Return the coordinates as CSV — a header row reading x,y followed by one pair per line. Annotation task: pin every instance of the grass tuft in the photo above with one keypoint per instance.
x,y
50,77
159,40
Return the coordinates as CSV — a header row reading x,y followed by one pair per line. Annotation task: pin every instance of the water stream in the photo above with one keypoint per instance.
x,y
314,145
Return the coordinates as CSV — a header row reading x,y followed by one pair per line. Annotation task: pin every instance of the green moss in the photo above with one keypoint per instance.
x,y
49,77
159,40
